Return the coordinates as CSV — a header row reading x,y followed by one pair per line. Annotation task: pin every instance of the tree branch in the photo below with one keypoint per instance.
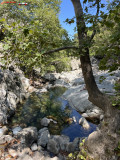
x,y
95,21
60,49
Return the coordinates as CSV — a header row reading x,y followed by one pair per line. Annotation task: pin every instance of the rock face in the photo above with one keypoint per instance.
x,y
13,89
75,64
78,98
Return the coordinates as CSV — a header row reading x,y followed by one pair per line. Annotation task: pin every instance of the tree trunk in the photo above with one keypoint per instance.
x,y
95,95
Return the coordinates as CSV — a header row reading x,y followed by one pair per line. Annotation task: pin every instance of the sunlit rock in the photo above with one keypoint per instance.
x,y
16,130
84,123
34,147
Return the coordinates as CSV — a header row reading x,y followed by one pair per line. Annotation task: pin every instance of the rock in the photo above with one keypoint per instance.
x,y
74,119
43,90
6,139
61,82
101,117
93,114
53,146
25,157
70,76
54,158
45,121
12,86
84,123
43,137
78,98
3,131
34,147
61,157
94,143
62,140
12,100
13,152
31,89
78,81
73,146
24,151
51,77
75,64
16,130
25,82
38,156
27,136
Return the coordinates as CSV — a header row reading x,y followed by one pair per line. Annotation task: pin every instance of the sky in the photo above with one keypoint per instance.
x,y
67,11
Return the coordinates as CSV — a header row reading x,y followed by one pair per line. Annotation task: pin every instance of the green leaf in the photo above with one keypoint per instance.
x,y
6,47
2,20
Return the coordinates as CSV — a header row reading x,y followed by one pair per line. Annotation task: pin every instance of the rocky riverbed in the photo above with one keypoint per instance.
x,y
28,143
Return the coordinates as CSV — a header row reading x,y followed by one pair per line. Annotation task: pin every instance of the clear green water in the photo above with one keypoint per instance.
x,y
51,105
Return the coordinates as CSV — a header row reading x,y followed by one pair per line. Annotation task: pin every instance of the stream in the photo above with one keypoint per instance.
x,y
51,105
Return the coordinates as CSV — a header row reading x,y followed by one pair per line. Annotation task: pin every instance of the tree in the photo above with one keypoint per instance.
x,y
95,96
32,30
107,41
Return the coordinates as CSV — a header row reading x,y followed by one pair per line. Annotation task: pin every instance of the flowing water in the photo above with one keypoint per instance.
x,y
51,105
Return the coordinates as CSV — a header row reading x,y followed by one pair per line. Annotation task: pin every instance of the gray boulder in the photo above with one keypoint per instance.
x,y
73,146
78,98
43,137
62,140
53,146
27,136
78,81
45,121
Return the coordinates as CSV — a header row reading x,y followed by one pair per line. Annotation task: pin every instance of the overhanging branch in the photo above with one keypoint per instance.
x,y
60,49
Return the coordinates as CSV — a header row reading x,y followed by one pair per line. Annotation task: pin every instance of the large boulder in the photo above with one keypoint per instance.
x,y
27,136
78,98
62,140
53,146
73,146
43,137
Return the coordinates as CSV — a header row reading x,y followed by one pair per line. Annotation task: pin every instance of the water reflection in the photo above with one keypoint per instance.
x,y
51,105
